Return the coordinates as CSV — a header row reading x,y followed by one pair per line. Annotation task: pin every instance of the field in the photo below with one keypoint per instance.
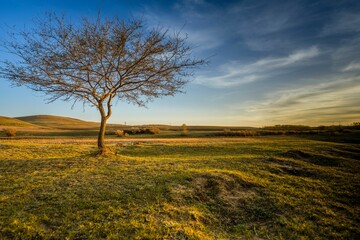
x,y
267,187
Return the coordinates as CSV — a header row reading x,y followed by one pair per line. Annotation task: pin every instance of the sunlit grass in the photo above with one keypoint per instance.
x,y
270,187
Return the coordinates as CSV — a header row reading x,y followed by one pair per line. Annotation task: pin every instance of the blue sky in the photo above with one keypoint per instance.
x,y
271,62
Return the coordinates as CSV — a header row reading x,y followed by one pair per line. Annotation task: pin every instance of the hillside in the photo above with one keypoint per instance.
x,y
59,122
13,122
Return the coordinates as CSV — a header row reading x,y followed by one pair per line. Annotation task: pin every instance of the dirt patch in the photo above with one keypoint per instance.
x,y
227,188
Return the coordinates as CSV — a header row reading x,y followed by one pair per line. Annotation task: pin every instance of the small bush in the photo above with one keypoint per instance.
x,y
154,130
10,132
132,131
184,130
356,125
135,131
227,131
239,133
121,133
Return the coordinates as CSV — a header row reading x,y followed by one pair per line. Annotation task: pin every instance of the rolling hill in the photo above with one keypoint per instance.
x,y
67,123
59,122
13,122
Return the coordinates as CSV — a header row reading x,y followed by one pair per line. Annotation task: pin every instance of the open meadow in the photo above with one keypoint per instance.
x,y
265,145
264,187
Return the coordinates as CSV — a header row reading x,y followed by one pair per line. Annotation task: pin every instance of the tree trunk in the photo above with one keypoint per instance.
x,y
101,137
104,117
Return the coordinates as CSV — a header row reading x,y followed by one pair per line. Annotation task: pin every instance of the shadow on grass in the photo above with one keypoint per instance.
x,y
351,137
316,159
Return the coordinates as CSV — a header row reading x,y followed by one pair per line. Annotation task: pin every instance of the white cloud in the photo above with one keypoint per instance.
x,y
235,73
203,39
303,54
353,66
345,57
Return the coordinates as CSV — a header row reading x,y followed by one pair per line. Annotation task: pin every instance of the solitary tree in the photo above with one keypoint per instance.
x,y
97,62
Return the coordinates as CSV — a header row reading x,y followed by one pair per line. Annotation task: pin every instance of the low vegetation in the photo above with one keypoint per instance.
x,y
121,133
137,130
272,187
356,125
184,130
240,133
10,132
289,130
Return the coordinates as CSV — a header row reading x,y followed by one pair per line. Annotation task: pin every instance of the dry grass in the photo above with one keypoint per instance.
x,y
58,122
10,132
13,122
184,188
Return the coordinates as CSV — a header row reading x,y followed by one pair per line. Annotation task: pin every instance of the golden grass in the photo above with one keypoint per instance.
x,y
59,122
13,122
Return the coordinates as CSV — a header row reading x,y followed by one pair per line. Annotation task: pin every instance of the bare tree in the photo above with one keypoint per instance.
x,y
97,62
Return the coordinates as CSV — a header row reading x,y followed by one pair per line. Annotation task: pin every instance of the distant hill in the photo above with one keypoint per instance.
x,y
67,123
59,122
13,122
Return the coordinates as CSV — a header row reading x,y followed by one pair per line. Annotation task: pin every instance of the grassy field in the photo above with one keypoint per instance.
x,y
279,187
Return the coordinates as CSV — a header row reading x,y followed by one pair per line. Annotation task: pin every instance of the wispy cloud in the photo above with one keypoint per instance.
x,y
337,100
234,73
203,40
345,56
343,22
294,62
264,26
186,17
353,66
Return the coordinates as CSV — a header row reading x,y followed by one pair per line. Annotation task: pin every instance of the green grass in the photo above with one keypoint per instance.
x,y
238,188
